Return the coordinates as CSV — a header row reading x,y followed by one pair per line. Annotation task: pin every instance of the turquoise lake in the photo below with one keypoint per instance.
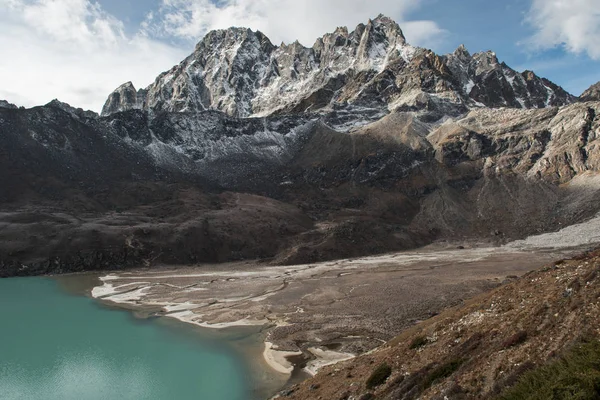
x,y
59,346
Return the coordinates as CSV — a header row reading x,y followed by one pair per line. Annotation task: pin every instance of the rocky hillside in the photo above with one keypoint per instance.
x,y
592,93
481,350
367,73
123,184
6,104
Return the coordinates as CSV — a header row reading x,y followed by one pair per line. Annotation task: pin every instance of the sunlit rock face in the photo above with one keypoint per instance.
x,y
124,98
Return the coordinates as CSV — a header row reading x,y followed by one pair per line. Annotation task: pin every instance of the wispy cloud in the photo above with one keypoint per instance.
x,y
571,24
287,20
424,33
73,50
548,65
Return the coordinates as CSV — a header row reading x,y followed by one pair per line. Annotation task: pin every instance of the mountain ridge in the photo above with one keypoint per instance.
x,y
592,93
369,71
493,175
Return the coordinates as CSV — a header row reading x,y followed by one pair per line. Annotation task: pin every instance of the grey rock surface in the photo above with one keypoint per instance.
x,y
592,93
76,112
125,97
6,104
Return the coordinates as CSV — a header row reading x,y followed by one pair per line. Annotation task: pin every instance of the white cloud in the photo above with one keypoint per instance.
x,y
74,51
572,24
423,33
288,20
70,21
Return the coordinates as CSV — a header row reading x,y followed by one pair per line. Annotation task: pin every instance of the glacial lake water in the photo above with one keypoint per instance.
x,y
59,346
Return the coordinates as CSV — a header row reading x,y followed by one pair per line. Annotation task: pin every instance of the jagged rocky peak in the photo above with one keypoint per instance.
x,y
384,29
381,40
488,82
462,53
223,74
226,38
381,31
76,112
125,97
240,72
592,93
485,61
6,104
363,74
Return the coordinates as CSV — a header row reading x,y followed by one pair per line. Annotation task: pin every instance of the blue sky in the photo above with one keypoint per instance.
x,y
80,50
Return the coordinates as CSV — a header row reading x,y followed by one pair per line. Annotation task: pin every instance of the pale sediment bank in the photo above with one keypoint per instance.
x,y
191,318
278,360
325,358
124,295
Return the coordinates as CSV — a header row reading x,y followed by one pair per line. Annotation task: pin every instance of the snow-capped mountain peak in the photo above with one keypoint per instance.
x,y
366,72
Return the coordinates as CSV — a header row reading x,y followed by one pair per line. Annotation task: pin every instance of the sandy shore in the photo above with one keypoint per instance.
x,y
278,360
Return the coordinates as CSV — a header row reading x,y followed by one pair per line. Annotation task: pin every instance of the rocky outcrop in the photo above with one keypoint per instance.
x,y
491,83
6,104
553,144
592,93
367,72
76,112
125,97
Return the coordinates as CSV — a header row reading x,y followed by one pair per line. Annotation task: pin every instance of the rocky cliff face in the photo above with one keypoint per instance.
x,y
124,98
592,93
6,104
368,72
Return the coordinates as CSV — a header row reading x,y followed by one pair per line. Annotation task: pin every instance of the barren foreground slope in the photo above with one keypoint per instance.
x,y
479,349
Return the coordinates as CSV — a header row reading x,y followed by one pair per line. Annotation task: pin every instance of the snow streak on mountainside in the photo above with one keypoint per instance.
x,y
368,72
